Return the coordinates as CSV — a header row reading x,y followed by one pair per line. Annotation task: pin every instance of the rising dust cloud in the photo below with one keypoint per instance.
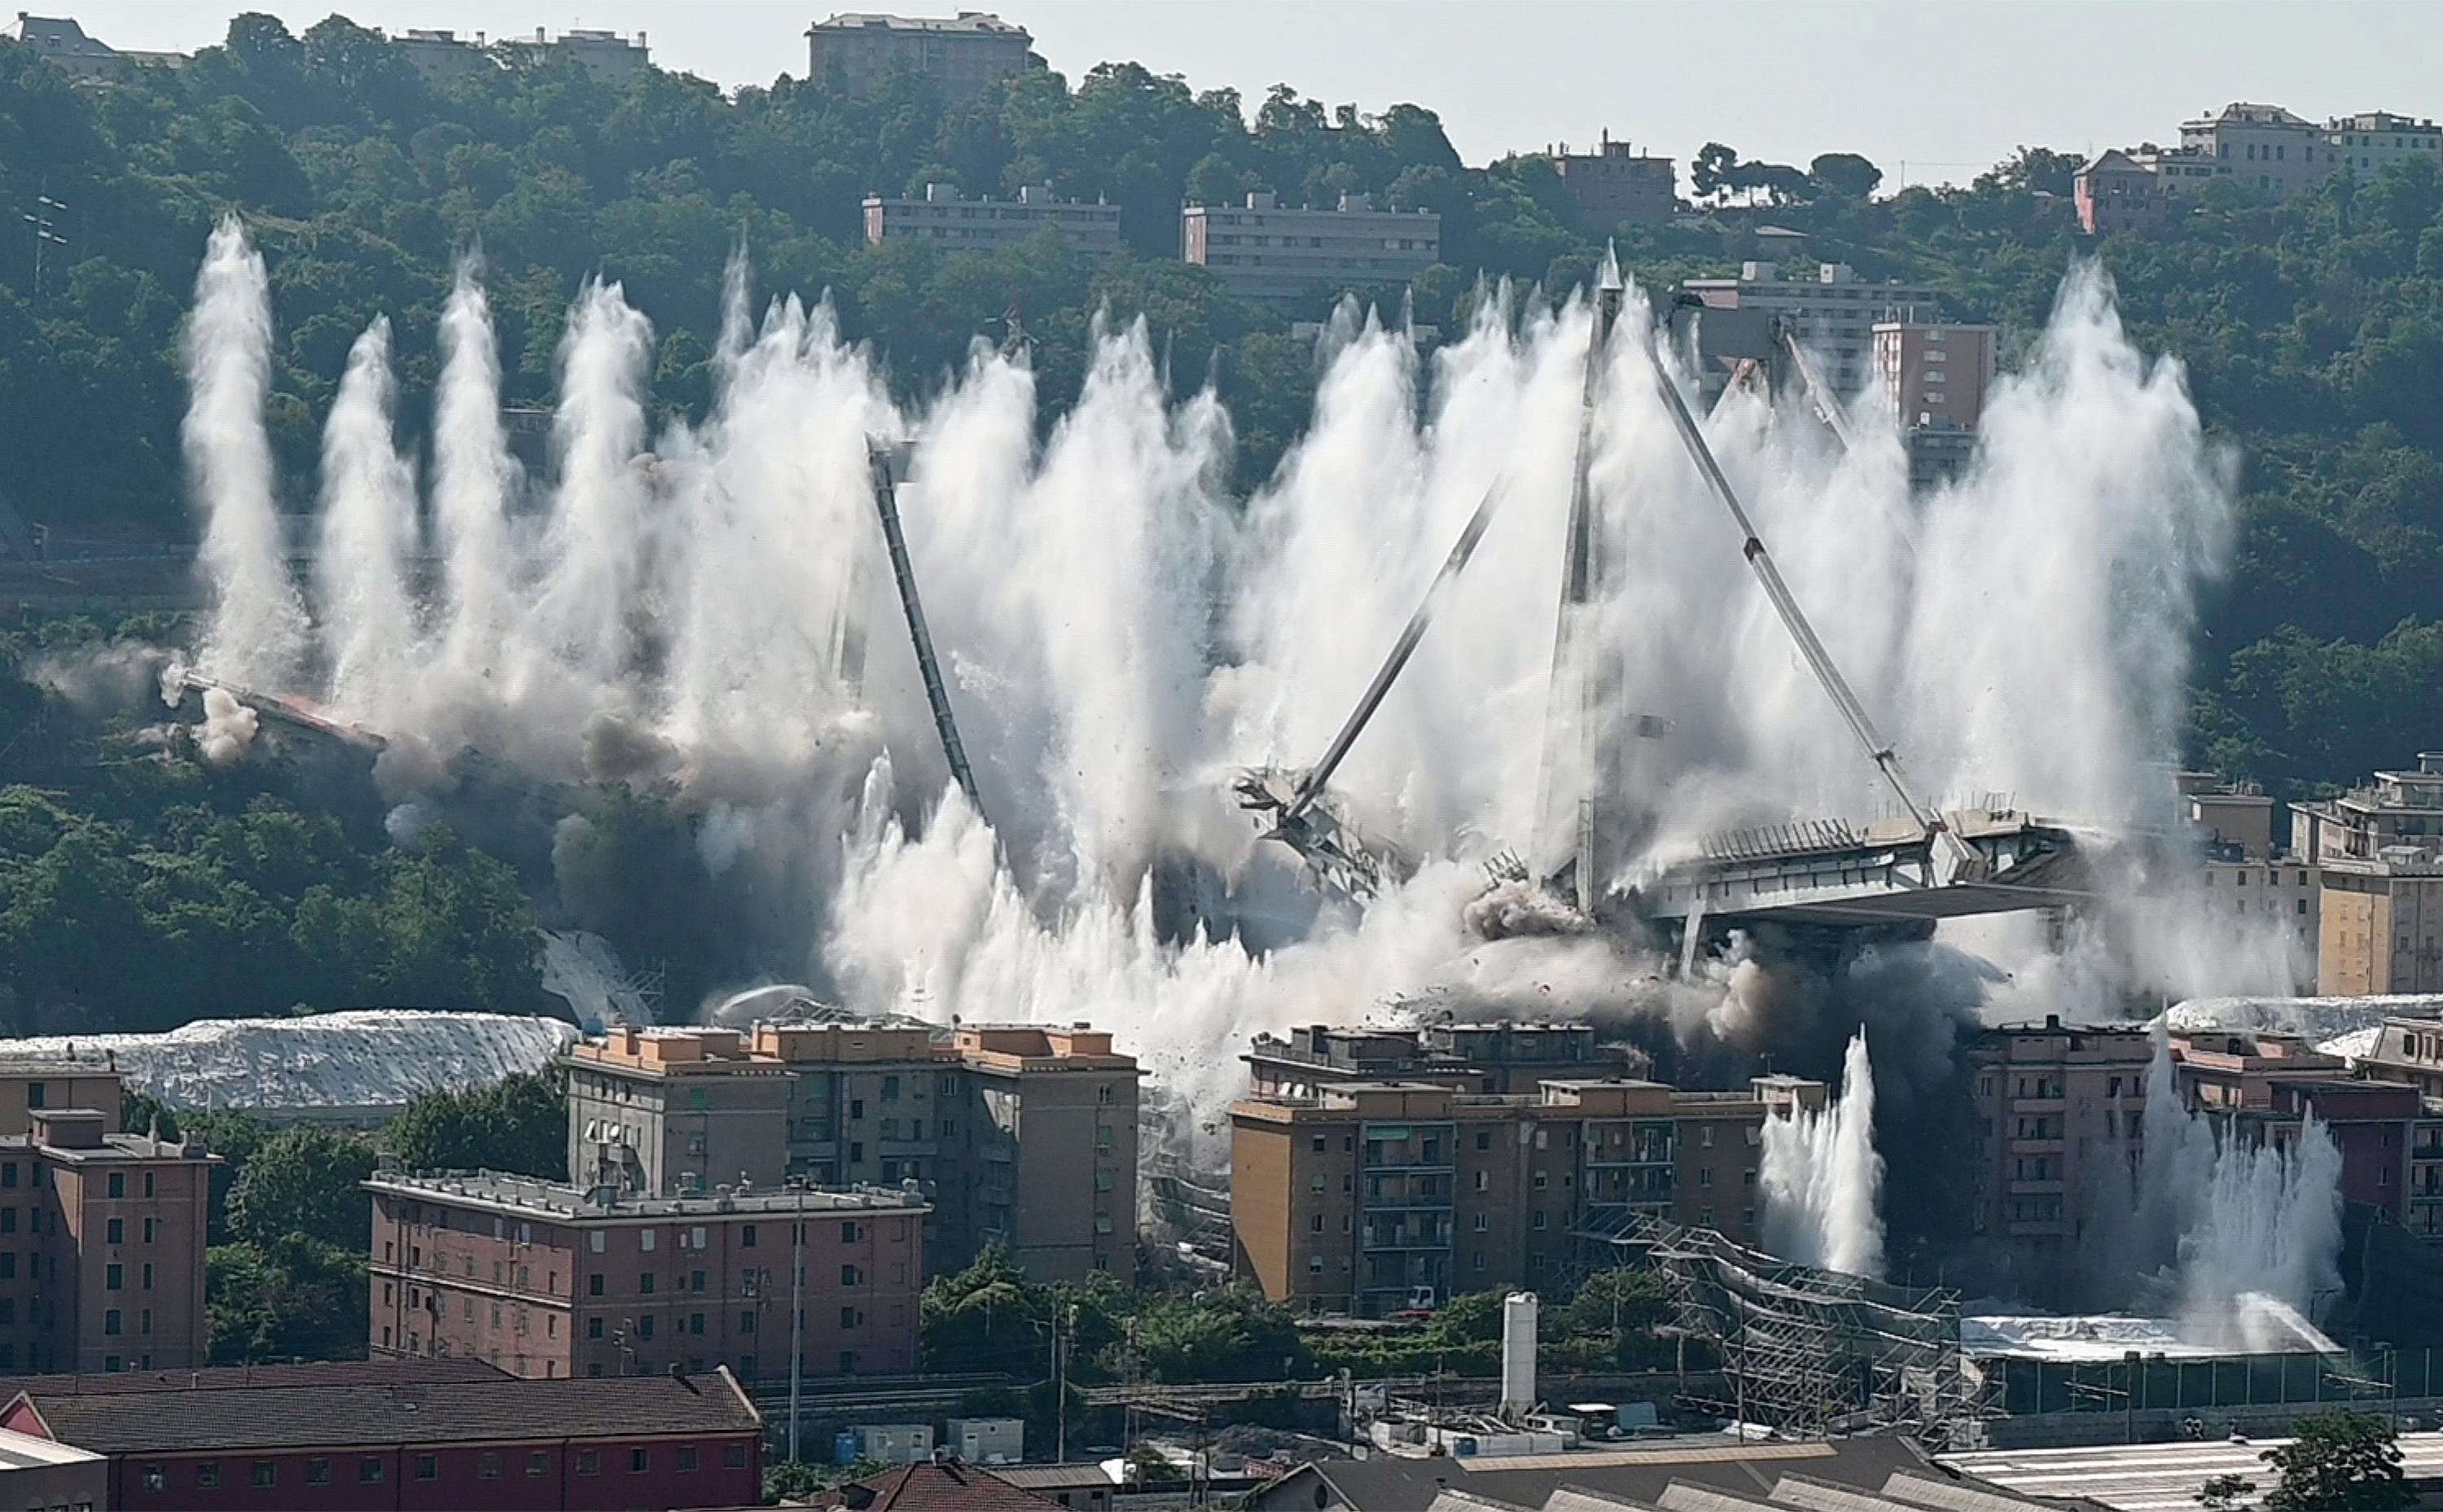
x,y
709,608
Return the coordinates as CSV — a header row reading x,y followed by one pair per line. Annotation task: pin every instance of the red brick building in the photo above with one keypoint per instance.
x,y
2114,191
101,1246
552,1282
390,1434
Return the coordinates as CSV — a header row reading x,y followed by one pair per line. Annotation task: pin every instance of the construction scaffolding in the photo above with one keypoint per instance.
x,y
1807,1352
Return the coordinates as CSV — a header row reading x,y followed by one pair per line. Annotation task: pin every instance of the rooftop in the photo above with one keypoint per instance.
x,y
524,1196
1711,1462
242,1377
949,1486
973,23
504,1410
2155,1477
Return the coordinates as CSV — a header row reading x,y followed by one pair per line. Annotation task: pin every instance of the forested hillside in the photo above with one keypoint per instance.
x,y
2314,332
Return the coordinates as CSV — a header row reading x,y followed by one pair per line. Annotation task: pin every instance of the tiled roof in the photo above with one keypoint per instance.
x,y
504,1410
386,1372
949,1486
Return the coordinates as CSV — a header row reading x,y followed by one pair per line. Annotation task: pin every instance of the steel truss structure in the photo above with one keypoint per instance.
x,y
1807,1352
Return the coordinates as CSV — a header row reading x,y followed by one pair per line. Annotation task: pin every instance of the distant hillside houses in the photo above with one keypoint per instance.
x,y
87,59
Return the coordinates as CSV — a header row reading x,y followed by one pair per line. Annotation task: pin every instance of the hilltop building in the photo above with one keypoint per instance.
x,y
1614,183
545,1280
942,217
959,57
1017,1134
87,60
1288,258
2271,150
1367,1197
442,58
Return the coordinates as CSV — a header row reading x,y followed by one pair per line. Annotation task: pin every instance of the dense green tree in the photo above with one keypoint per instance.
x,y
305,1182
294,1298
2339,1462
520,1126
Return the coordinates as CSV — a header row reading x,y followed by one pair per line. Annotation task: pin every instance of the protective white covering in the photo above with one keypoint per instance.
x,y
2318,1018
324,1064
2109,1336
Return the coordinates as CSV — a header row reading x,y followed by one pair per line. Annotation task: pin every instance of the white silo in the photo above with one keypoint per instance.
x,y
1518,1312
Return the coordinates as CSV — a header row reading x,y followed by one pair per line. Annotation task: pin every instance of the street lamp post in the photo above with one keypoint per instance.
x,y
797,1316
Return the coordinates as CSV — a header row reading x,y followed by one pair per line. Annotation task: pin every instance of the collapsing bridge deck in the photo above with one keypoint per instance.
x,y
1826,874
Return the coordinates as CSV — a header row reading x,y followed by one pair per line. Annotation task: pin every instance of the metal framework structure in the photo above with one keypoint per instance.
x,y
1807,1351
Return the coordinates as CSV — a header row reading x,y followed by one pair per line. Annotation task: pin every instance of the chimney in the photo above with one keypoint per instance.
x,y
1260,199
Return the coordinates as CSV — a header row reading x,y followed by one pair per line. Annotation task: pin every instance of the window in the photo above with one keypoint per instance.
x,y
148,1275
539,1463
318,1471
368,1470
594,1241
594,1282
36,1094
428,1466
1318,1144
114,1231
266,1472
110,1322
589,1461
113,1277
488,1465
644,1329
687,1457
696,1323
8,1173
207,1477
851,1317
852,1276
119,1183
645,1239
848,1234
639,1461
746,1236
734,1457
594,1329
645,1283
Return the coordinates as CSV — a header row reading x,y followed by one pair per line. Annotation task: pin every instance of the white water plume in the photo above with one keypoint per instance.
x,y
2228,1211
1821,1179
1118,635
368,534
258,633
473,480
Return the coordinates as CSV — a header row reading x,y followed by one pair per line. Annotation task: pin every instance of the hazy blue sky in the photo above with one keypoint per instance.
x,y
1944,87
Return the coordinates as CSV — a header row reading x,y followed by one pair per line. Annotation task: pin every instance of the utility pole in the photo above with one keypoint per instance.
x,y
42,223
1061,1377
797,1318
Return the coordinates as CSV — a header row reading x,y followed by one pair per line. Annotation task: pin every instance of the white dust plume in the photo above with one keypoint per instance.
x,y
1821,1179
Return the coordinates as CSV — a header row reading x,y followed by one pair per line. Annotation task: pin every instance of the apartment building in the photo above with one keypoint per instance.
x,y
2377,852
442,57
2264,145
550,1280
1020,1134
941,217
958,57
1615,184
1292,258
1368,1197
2058,1110
1493,1057
2368,142
101,1246
1831,309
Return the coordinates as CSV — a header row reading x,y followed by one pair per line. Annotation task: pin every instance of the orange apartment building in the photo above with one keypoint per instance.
x,y
549,1281
1368,1197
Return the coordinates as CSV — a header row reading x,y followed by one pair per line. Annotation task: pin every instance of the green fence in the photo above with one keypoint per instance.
x,y
2154,1383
